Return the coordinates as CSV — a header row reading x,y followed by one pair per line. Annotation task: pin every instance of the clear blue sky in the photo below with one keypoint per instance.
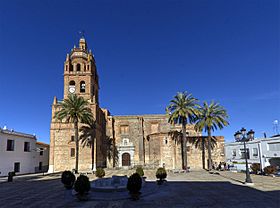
x,y
146,51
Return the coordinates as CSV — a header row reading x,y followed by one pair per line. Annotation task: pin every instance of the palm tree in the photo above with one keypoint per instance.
x,y
199,143
88,137
210,118
182,110
74,109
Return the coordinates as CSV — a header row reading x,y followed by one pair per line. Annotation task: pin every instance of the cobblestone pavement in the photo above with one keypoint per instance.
x,y
194,189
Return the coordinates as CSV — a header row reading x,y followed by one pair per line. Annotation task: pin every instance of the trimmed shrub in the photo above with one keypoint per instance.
x,y
134,183
140,171
270,170
82,185
68,179
161,174
100,173
256,167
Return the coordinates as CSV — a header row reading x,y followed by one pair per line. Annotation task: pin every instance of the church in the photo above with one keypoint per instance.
x,y
138,139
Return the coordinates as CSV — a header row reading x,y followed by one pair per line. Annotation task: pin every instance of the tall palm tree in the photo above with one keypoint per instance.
x,y
182,110
88,137
199,143
210,118
74,109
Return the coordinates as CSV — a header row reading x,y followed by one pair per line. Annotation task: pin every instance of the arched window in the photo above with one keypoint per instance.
x,y
70,67
84,67
78,67
82,86
66,68
72,83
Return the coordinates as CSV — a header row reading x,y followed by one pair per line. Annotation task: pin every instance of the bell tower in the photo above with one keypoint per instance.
x,y
80,73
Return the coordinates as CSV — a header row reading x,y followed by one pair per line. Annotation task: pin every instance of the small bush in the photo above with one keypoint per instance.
x,y
256,167
270,170
68,179
134,183
82,185
161,174
100,173
140,171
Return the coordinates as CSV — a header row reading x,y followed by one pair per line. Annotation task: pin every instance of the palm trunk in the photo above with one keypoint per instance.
x,y
185,163
77,145
92,154
203,153
209,149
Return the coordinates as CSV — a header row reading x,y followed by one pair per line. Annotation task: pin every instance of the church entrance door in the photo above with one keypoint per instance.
x,y
125,159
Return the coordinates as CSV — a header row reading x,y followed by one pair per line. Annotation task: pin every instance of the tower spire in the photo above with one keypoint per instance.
x,y
82,42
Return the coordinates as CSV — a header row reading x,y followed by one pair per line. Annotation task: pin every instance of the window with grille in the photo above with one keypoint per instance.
x,y
255,152
26,146
124,129
242,152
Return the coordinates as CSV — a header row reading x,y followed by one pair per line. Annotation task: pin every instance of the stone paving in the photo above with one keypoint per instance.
x,y
194,189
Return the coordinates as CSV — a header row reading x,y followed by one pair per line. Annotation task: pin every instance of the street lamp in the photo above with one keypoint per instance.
x,y
240,136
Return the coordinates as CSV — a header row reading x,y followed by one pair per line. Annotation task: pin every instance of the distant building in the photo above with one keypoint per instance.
x,y
265,151
21,153
138,139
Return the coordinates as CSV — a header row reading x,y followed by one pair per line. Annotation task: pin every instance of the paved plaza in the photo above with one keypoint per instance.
x,y
194,189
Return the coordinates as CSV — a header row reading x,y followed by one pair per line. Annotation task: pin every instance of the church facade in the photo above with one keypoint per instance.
x,y
137,139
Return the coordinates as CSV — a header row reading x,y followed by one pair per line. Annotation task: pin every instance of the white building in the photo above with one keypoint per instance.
x,y
21,153
265,151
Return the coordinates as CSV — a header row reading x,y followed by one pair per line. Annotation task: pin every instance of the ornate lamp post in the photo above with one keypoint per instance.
x,y
240,136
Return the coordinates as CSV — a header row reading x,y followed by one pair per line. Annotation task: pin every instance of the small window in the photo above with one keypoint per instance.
x,y
84,67
26,146
82,86
87,67
72,83
66,68
243,153
166,141
234,152
72,138
70,67
41,151
10,145
124,129
78,67
16,167
255,152
72,152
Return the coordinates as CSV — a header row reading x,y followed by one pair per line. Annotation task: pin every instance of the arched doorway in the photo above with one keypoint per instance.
x,y
125,159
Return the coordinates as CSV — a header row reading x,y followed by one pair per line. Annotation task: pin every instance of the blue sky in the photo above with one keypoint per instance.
x,y
146,51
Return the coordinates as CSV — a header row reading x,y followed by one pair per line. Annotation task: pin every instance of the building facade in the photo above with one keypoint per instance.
x,y
265,151
21,153
137,139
